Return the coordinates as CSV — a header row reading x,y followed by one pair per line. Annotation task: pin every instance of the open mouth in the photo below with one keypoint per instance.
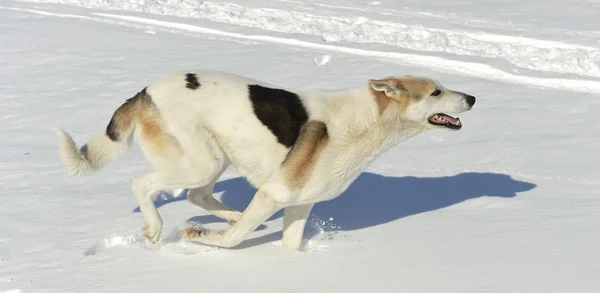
x,y
441,119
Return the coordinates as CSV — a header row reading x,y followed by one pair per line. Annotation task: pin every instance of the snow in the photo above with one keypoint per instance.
x,y
507,204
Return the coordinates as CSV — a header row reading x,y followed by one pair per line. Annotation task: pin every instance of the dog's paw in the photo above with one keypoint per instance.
x,y
193,232
152,233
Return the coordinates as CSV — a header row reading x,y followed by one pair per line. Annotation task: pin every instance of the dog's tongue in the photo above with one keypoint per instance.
x,y
451,119
441,117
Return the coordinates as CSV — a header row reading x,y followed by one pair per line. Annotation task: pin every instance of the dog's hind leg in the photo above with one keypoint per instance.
x,y
193,164
203,197
145,186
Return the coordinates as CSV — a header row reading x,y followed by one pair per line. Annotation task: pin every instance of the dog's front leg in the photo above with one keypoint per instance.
x,y
258,211
294,220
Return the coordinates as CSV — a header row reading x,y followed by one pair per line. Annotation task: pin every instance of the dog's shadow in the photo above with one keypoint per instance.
x,y
374,199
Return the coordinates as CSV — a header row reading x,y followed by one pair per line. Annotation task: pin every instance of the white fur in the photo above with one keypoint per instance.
x,y
95,154
215,126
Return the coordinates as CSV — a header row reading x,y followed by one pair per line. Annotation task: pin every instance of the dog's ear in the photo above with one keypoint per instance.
x,y
390,87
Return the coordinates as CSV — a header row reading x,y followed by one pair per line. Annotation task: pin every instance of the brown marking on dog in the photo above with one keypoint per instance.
x,y
303,156
403,101
150,126
122,119
417,87
406,90
141,112
153,132
381,99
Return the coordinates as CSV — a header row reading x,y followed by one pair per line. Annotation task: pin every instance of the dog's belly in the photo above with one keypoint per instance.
x,y
255,152
326,187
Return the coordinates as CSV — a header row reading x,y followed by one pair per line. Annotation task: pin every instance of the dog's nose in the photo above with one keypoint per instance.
x,y
470,100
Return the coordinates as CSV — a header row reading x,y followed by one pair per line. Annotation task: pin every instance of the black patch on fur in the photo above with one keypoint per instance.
x,y
111,129
192,81
84,151
280,111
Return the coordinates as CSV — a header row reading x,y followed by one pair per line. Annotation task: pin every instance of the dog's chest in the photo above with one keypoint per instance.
x,y
337,168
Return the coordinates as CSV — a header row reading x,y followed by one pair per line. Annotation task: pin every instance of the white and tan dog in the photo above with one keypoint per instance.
x,y
297,149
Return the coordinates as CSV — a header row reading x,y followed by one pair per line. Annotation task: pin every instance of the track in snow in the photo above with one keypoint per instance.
x,y
522,52
527,53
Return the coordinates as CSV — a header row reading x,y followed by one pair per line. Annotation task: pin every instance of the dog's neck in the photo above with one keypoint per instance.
x,y
359,131
355,112
356,121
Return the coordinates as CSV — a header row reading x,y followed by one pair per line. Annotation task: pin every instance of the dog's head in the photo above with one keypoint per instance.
x,y
422,100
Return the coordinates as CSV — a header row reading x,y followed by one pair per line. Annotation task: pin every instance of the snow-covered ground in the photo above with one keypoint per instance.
x,y
507,204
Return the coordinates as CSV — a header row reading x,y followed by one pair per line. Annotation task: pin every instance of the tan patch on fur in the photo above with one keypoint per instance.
x,y
141,109
122,120
416,87
303,156
412,89
403,101
153,133
381,99
149,125
124,115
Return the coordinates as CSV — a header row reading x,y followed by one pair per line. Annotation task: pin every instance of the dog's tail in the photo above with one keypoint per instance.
x,y
106,145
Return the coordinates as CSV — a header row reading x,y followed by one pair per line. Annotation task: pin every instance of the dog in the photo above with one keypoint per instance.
x,y
296,148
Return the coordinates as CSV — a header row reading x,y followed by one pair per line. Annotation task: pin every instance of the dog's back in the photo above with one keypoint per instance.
x,y
250,123
253,123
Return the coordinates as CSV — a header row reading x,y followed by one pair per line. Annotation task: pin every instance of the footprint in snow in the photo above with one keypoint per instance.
x,y
172,244
320,61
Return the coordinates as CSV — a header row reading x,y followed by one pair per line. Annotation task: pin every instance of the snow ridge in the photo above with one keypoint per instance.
x,y
457,67
526,53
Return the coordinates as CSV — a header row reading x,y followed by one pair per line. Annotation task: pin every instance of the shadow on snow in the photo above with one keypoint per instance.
x,y
374,199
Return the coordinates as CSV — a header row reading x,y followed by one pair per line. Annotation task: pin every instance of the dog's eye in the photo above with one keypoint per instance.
x,y
436,93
